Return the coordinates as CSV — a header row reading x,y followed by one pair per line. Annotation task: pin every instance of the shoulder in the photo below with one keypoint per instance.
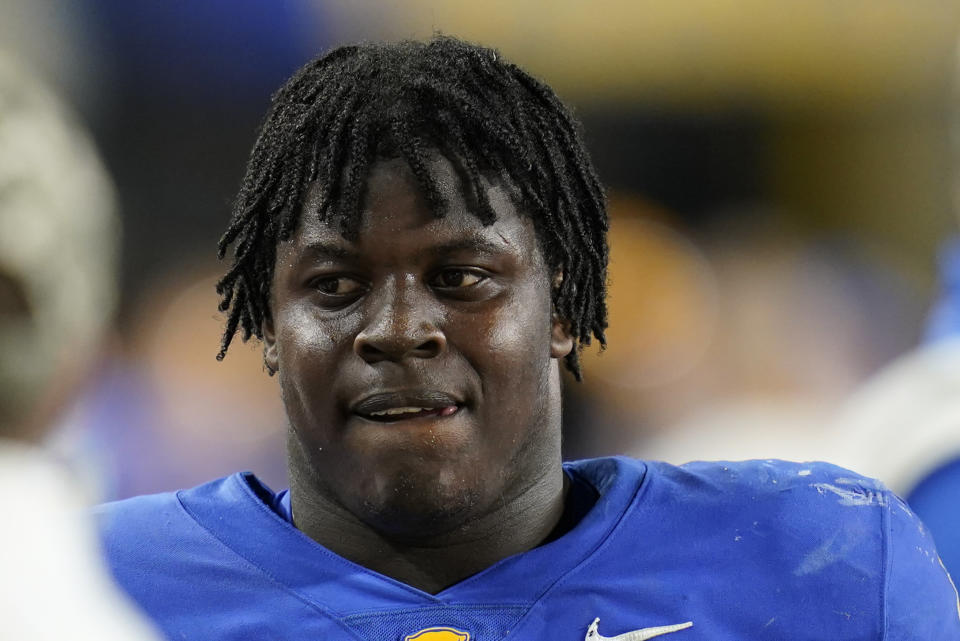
x,y
827,528
810,501
809,546
158,545
140,511
772,477
155,530
721,482
821,484
807,501
156,512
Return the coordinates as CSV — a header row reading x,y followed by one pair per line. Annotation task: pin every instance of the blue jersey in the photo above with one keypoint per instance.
x,y
701,552
936,499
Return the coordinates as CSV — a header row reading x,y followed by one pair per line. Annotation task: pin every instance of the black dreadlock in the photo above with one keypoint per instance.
x,y
340,112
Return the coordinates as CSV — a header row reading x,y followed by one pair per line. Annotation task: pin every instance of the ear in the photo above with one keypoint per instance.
x,y
561,341
270,357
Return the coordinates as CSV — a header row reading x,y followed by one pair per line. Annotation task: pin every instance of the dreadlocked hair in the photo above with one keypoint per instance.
x,y
343,111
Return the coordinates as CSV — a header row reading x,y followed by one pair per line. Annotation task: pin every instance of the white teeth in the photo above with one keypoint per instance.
x,y
399,410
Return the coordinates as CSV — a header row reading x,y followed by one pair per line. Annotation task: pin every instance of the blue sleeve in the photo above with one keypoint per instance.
x,y
920,601
936,500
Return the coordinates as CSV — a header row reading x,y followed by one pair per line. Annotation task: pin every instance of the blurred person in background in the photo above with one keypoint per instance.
x,y
903,426
165,382
58,240
420,243
738,347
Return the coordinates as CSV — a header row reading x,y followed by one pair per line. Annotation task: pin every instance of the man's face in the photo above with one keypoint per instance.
x,y
417,363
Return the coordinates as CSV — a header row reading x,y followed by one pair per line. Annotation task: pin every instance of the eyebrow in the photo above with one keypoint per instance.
x,y
473,243
329,251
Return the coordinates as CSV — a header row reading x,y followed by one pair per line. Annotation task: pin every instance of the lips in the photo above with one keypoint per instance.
x,y
387,407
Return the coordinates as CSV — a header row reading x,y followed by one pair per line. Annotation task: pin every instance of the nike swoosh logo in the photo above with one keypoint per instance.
x,y
593,632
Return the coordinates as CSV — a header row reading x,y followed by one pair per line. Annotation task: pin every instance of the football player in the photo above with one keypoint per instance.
x,y
420,244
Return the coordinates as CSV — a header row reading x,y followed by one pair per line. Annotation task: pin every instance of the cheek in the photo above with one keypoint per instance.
x,y
512,357
516,342
302,337
308,352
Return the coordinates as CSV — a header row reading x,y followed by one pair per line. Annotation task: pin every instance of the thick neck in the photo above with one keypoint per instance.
x,y
434,562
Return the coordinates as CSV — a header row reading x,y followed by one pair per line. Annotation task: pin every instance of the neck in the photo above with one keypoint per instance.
x,y
436,561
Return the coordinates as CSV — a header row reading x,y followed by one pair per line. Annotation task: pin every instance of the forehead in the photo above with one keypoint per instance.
x,y
394,212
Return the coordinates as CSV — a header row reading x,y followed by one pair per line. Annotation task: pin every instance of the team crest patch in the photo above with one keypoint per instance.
x,y
438,634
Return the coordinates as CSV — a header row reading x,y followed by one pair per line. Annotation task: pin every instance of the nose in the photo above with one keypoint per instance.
x,y
402,324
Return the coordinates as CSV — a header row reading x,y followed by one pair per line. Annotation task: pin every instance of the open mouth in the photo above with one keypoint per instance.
x,y
395,414
407,405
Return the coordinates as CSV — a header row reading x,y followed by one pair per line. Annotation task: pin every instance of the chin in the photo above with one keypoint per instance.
x,y
418,506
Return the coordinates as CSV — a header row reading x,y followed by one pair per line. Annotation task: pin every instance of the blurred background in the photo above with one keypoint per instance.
x,y
780,177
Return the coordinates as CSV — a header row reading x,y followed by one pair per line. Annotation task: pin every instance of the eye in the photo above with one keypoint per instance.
x,y
455,278
337,285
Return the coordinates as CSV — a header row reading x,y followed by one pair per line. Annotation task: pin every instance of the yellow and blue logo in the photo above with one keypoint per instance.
x,y
438,634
